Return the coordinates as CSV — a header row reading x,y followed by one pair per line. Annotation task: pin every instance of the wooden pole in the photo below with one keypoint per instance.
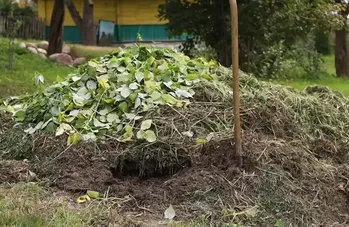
x,y
235,57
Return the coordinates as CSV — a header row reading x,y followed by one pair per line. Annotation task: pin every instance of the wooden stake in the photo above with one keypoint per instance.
x,y
235,58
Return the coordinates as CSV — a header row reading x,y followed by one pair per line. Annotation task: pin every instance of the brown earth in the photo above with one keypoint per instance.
x,y
12,171
301,185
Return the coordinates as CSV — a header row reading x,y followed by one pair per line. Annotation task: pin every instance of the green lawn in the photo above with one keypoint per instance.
x,y
329,64
26,65
335,83
21,79
30,205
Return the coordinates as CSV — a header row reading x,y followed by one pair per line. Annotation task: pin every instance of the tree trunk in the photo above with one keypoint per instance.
x,y
341,53
223,46
341,57
56,30
86,23
224,55
88,28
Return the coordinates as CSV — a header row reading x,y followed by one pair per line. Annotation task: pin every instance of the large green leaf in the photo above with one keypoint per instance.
x,y
146,124
150,136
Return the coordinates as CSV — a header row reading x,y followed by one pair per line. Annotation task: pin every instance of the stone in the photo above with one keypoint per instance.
x,y
43,55
64,59
66,50
79,61
42,51
43,45
31,45
33,50
22,45
54,56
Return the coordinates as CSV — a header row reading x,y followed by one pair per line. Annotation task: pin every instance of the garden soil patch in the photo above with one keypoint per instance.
x,y
12,171
279,180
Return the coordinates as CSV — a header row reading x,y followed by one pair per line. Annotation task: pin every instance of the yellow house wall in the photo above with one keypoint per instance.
x,y
103,9
122,12
138,12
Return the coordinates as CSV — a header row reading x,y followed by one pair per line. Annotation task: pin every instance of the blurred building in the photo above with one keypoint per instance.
x,y
130,17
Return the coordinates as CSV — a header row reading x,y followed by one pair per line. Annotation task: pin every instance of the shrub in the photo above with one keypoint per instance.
x,y
323,43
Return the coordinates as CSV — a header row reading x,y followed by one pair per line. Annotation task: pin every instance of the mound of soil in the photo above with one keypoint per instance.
x,y
15,171
279,180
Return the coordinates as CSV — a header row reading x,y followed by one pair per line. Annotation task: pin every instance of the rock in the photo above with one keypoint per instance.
x,y
42,51
54,56
43,45
22,45
33,50
43,55
64,59
66,50
31,45
79,61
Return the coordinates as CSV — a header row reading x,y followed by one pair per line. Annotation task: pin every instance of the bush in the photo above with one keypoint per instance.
x,y
200,50
11,8
301,60
323,43
307,62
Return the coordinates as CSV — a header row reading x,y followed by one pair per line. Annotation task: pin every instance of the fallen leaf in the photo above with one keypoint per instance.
x,y
170,213
93,194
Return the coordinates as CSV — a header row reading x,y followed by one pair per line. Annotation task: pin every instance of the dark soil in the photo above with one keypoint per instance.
x,y
300,185
282,179
15,171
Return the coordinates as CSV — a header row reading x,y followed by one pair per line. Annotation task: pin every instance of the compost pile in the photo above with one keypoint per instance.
x,y
154,112
143,93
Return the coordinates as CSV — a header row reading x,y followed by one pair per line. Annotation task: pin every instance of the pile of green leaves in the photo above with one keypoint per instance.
x,y
111,96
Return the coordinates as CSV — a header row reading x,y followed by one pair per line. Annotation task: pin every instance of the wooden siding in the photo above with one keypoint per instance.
x,y
122,12
103,9
138,12
130,17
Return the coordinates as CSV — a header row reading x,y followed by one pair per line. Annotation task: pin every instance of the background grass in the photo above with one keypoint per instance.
x,y
30,205
333,82
21,79
26,65
90,52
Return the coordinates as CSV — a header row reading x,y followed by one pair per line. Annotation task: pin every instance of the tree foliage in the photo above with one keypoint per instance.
x,y
263,24
9,7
